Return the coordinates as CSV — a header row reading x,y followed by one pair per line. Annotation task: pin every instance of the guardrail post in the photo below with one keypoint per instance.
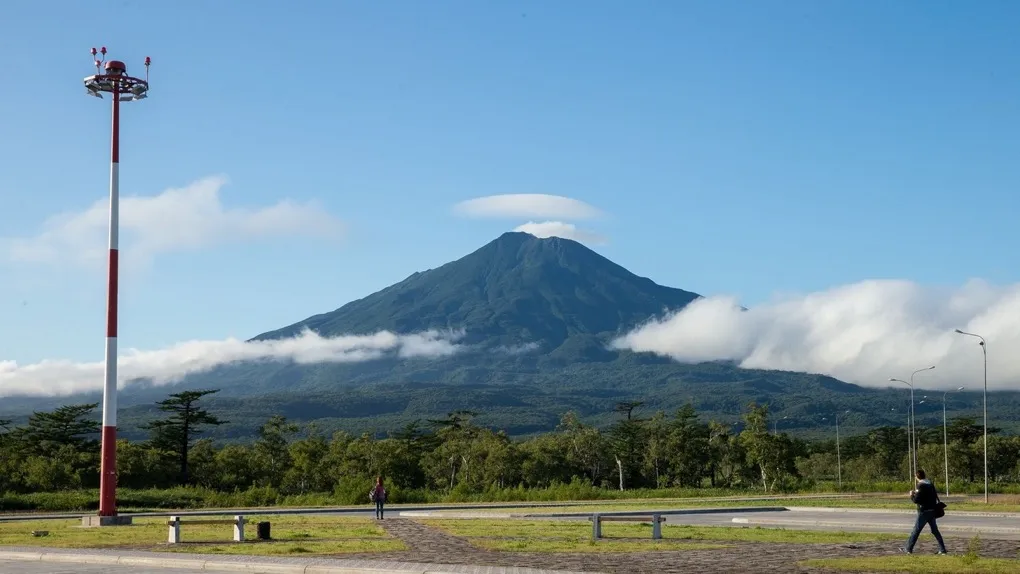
x,y
656,527
239,528
596,526
175,530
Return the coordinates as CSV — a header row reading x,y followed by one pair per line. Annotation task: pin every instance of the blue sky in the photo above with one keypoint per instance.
x,y
742,148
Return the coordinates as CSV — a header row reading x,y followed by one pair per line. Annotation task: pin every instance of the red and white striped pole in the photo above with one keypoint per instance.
x,y
122,88
108,466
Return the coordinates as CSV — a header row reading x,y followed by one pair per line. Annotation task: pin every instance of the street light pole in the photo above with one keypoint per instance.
x,y
910,427
912,417
945,437
917,436
775,425
984,352
111,77
839,463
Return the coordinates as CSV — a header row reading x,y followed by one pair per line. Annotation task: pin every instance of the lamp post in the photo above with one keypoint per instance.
x,y
917,435
910,426
984,352
912,417
839,463
945,436
111,77
775,425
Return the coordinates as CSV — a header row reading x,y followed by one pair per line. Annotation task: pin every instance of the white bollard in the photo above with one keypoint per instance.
x,y
175,530
239,528
656,527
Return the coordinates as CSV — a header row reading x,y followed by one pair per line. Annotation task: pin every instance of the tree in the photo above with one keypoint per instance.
x,y
68,425
586,447
688,448
657,452
271,450
774,455
454,455
627,438
969,435
178,432
888,446
413,443
307,473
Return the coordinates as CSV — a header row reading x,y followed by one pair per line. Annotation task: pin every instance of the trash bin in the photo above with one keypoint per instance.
x,y
263,530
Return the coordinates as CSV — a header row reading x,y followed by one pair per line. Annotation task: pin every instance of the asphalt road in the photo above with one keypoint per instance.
x,y
368,510
1000,527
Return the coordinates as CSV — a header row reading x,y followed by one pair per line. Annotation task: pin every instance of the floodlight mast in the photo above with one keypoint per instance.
x,y
112,79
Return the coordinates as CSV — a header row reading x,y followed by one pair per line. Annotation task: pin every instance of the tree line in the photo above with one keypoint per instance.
x,y
59,450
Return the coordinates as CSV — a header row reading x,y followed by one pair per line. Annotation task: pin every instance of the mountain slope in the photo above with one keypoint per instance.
x,y
517,289
556,304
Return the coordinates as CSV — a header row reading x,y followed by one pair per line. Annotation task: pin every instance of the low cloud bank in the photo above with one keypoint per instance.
x,y
170,365
862,333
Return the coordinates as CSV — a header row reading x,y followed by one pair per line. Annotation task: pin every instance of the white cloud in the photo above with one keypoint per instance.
x,y
167,366
560,229
530,205
863,333
517,349
177,219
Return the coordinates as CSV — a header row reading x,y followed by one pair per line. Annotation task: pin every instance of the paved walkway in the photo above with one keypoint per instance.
x,y
429,544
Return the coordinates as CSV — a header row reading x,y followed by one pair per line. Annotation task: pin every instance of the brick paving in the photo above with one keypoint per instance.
x,y
431,545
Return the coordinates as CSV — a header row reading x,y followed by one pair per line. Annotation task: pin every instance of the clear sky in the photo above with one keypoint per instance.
x,y
742,148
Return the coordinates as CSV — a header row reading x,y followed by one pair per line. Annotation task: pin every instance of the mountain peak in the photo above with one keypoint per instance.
x,y
517,289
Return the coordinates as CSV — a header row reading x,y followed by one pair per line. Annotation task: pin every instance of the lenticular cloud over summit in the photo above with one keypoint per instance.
x,y
166,366
862,333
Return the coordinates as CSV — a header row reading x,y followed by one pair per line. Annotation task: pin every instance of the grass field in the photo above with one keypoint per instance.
x,y
952,564
292,535
575,536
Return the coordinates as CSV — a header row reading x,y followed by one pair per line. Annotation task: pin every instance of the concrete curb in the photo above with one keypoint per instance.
x,y
256,567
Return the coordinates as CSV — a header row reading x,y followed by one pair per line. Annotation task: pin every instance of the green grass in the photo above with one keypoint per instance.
x,y
493,533
305,535
951,564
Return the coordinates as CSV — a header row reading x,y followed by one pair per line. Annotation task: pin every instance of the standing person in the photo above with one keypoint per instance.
x,y
378,496
926,498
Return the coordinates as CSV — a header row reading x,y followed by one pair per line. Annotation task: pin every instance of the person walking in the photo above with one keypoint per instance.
x,y
926,498
378,496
